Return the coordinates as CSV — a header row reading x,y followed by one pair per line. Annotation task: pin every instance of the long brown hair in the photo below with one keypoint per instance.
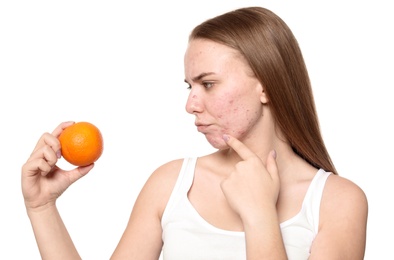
x,y
273,54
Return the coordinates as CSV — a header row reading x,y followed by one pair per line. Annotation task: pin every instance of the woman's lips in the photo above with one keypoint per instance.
x,y
202,127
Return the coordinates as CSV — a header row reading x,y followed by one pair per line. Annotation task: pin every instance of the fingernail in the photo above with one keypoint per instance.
x,y
226,138
59,154
274,154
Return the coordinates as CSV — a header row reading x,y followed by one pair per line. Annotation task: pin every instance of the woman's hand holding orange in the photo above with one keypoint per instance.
x,y
42,181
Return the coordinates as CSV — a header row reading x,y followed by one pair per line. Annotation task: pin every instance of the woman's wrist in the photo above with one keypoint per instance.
x,y
47,208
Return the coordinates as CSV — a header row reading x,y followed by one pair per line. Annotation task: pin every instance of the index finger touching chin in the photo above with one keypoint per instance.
x,y
242,150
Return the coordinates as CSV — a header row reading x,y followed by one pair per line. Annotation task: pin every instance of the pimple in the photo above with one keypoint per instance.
x,y
231,101
194,96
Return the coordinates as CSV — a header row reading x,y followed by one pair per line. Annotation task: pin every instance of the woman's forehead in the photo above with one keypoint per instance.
x,y
208,47
204,56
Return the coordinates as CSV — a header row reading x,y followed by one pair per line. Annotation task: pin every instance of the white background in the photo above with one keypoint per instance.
x,y
119,65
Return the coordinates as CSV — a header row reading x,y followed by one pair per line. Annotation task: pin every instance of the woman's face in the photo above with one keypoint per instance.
x,y
225,97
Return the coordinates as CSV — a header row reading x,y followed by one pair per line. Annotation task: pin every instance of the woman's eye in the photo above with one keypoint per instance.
x,y
208,84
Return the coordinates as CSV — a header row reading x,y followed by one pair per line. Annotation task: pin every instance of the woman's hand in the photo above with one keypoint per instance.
x,y
42,181
252,187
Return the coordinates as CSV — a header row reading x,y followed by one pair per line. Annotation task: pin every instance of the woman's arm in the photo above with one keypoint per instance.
x,y
142,238
42,183
51,235
252,190
343,222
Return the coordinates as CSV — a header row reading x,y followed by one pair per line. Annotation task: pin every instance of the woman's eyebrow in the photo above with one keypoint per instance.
x,y
204,74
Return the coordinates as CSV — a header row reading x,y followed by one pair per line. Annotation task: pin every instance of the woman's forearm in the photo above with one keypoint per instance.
x,y
53,239
264,238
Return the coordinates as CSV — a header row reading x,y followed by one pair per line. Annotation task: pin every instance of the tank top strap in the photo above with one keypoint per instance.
x,y
182,185
186,175
313,197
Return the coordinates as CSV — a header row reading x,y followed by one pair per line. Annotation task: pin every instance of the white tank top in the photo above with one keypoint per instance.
x,y
187,236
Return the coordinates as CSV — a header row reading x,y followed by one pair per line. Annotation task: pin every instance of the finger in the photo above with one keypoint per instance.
x,y
39,166
79,172
59,129
52,139
272,166
243,151
43,159
46,140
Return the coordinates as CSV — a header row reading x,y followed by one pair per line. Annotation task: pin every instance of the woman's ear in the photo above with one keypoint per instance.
x,y
263,94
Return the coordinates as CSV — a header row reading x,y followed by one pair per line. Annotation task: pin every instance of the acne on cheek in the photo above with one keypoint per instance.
x,y
240,132
236,132
230,107
250,119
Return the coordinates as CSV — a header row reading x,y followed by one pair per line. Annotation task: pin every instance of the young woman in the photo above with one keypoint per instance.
x,y
270,191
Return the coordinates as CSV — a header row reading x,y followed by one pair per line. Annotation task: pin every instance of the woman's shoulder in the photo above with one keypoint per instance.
x,y
343,220
343,189
342,198
158,187
167,173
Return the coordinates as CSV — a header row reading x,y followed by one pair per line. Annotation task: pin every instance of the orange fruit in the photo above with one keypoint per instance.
x,y
81,143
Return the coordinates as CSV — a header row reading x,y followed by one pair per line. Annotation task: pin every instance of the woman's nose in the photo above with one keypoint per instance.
x,y
193,104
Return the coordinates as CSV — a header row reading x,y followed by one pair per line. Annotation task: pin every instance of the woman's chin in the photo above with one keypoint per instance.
x,y
217,142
